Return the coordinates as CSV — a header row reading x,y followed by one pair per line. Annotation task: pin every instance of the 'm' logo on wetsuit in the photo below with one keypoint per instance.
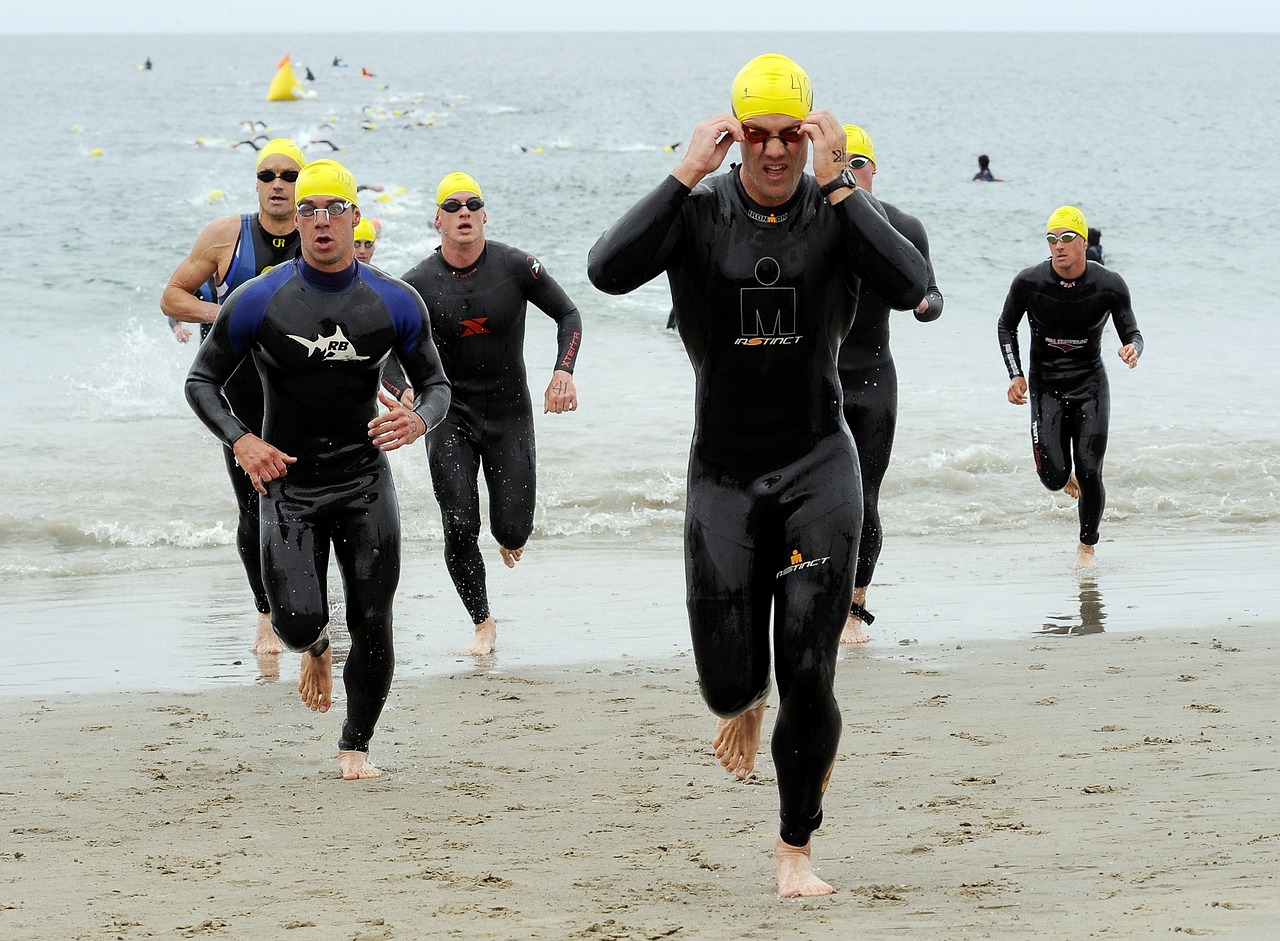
x,y
767,314
474,327
798,563
1067,346
336,346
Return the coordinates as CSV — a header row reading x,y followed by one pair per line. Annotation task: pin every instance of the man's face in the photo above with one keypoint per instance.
x,y
1067,256
863,168
465,227
771,169
275,196
328,238
364,250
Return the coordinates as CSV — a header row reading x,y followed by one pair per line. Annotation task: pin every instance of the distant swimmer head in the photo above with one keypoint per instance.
x,y
325,177
282,145
457,182
771,84
858,143
1068,217
983,161
366,231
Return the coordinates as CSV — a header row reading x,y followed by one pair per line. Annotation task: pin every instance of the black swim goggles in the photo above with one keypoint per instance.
x,y
758,135
859,161
475,204
1066,238
269,176
336,208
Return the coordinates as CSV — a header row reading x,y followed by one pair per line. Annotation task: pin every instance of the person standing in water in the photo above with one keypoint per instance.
x,y
870,383
764,264
1068,301
229,252
984,174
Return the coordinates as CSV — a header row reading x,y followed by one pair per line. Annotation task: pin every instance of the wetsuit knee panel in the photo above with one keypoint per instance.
x,y
301,631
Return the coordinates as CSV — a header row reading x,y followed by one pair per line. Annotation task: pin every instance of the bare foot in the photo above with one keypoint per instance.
x,y
1084,558
511,556
356,766
1072,489
315,680
486,639
853,632
266,641
796,878
737,740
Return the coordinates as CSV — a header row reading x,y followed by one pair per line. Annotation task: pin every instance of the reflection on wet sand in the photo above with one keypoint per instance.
x,y
1088,621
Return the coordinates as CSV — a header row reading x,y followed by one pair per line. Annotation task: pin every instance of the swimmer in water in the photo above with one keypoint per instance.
x,y
1068,301
984,174
870,382
478,292
366,239
229,252
765,264
318,330
1093,252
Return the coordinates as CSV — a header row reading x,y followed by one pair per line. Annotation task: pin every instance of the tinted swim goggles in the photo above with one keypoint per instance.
x,y
336,208
1065,237
859,161
475,204
758,135
269,176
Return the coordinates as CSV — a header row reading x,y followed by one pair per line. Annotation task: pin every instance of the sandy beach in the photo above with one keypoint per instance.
x,y
1063,784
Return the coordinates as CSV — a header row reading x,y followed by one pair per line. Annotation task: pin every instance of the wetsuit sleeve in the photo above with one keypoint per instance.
x,y
1123,318
638,247
1015,305
547,295
417,353
885,259
393,379
920,239
229,342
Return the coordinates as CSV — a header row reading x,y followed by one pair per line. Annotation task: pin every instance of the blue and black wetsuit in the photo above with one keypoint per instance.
x,y
318,341
478,319
256,251
763,297
870,381
1067,384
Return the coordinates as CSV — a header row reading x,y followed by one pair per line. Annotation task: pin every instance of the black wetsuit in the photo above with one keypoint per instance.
x,y
774,505
256,251
870,382
1066,382
318,341
478,319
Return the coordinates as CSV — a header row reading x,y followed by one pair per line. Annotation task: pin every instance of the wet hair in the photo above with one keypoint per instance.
x,y
1095,235
983,160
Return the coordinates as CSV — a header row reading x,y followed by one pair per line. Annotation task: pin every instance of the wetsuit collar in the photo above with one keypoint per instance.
x,y
330,281
768,215
463,272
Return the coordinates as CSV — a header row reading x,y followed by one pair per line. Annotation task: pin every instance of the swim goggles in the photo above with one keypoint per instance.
x,y
267,176
1065,237
475,204
758,135
336,208
859,161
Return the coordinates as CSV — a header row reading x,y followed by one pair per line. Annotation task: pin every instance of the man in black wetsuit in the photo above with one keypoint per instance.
x,y
870,382
478,292
1068,301
318,331
229,252
764,264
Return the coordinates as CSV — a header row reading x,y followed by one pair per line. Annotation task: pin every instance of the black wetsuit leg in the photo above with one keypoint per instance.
x,y
454,459
244,393
871,411
510,473
1073,427
785,544
359,516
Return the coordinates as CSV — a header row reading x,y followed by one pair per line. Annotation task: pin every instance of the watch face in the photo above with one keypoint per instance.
x,y
849,177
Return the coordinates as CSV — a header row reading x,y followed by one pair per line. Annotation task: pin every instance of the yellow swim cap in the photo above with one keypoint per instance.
x,y
365,232
771,84
282,145
858,143
325,177
1068,217
456,182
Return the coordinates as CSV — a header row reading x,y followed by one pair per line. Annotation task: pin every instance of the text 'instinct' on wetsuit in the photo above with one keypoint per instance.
x,y
318,341
1067,383
763,297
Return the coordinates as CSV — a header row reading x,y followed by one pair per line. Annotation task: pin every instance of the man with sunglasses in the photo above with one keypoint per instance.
x,y
478,292
229,252
1068,301
318,330
870,382
765,264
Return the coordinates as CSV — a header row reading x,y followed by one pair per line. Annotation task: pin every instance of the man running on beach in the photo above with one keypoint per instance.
x,y
478,292
870,382
764,265
318,331
229,252
1068,301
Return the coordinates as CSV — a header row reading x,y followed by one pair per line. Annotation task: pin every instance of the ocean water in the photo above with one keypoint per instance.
x,y
1160,139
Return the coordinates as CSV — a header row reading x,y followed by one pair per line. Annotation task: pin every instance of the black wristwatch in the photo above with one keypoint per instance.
x,y
845,179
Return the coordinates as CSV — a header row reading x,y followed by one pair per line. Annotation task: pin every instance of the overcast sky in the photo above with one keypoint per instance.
x,y
336,16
